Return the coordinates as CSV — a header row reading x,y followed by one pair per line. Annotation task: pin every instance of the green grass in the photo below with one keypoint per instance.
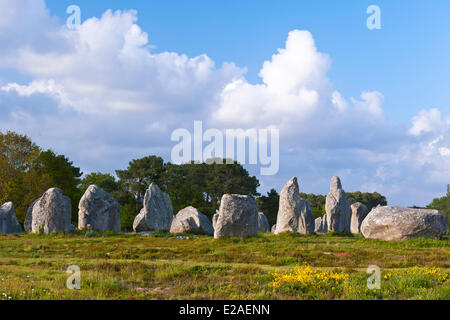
x,y
127,266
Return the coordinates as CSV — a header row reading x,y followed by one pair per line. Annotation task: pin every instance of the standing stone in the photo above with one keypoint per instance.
x,y
263,223
359,212
320,225
274,228
98,210
294,213
157,213
190,220
399,223
8,219
52,213
337,208
306,225
238,217
29,217
214,219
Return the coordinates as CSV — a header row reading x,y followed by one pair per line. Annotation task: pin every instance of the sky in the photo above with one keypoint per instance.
x,y
371,106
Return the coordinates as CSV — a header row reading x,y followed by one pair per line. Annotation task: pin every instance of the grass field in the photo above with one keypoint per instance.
x,y
288,266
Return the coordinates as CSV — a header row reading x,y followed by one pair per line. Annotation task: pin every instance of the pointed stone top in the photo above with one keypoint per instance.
x,y
54,190
335,183
291,182
291,188
7,206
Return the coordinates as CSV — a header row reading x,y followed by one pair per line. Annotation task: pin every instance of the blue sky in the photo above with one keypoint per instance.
x,y
409,54
371,106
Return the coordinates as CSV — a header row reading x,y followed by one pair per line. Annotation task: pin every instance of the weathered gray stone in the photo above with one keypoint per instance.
x,y
214,219
157,213
238,217
320,225
98,210
337,208
294,213
263,223
8,219
393,223
359,212
190,220
274,228
52,213
306,225
29,217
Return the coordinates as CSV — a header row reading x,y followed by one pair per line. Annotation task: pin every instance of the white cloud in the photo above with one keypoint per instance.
x,y
428,121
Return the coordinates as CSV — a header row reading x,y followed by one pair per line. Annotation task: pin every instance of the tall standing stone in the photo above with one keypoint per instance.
x,y
359,212
8,219
337,208
321,225
98,210
294,213
157,213
263,223
52,213
238,217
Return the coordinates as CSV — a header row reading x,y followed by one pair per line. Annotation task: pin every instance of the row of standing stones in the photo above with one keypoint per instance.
x,y
237,216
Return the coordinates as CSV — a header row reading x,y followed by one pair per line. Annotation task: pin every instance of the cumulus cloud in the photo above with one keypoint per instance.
x,y
100,95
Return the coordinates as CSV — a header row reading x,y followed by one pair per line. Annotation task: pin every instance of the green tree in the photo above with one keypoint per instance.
x,y
26,172
269,205
442,204
371,200
57,171
139,175
105,181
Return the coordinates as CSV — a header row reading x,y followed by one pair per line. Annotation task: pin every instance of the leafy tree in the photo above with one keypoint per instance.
x,y
139,175
442,204
128,214
105,181
371,200
317,203
26,172
269,205
56,171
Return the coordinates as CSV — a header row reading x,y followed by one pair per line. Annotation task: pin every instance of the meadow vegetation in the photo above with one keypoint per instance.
x,y
287,266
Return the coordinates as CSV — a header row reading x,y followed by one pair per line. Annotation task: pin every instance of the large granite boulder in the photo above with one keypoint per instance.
x,y
320,225
392,223
98,210
359,213
29,217
294,213
337,208
52,213
238,217
263,223
157,213
190,220
8,219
